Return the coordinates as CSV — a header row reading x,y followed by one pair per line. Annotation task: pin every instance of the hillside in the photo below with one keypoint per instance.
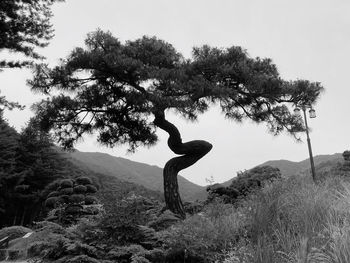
x,y
123,169
289,168
323,164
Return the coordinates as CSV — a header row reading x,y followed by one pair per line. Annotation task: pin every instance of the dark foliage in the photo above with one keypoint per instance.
x,y
24,26
244,184
115,89
70,201
28,165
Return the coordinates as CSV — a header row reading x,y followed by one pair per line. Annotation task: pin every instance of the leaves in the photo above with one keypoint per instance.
x,y
114,88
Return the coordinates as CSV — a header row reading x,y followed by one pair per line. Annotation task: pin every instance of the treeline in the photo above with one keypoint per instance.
x,y
28,163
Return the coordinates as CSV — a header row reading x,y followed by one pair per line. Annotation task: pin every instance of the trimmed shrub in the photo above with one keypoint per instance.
x,y
63,199
53,194
80,189
91,189
51,202
83,180
66,191
77,198
74,209
89,200
66,183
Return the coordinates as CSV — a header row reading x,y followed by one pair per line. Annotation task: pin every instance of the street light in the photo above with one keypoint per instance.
x,y
312,114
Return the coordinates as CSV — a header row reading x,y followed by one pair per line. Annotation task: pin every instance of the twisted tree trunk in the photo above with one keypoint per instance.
x,y
190,153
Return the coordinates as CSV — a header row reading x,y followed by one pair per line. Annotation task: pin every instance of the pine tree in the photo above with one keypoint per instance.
x,y
24,26
123,91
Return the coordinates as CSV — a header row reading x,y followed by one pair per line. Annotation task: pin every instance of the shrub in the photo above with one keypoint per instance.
x,y
14,232
203,236
73,209
91,189
121,220
13,254
80,189
245,183
50,227
77,198
63,199
3,254
53,194
66,191
83,180
89,200
51,202
66,183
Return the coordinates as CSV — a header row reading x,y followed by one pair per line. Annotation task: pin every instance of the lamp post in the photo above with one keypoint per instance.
x,y
312,114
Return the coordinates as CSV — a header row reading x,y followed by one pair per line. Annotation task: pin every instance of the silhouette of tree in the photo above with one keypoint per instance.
x,y
122,92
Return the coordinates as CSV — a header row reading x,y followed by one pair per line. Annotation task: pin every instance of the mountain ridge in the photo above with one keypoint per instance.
x,y
149,176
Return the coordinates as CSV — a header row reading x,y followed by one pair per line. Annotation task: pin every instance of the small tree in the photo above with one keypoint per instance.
x,y
123,90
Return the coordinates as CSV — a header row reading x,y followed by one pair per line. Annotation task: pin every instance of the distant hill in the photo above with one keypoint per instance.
x,y
289,168
107,168
148,176
323,163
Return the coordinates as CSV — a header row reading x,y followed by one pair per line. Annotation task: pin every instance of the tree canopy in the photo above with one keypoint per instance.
x,y
24,26
114,89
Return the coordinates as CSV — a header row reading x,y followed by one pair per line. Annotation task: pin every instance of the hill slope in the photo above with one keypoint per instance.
x,y
143,174
289,168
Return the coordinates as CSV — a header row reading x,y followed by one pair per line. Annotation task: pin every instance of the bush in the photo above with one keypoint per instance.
x,y
51,202
66,191
80,189
63,199
89,200
14,232
77,198
13,254
201,237
83,180
50,227
66,183
3,254
53,194
73,209
121,220
245,183
91,189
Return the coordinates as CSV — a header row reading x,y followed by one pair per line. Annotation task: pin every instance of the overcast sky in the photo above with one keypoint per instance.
x,y
305,39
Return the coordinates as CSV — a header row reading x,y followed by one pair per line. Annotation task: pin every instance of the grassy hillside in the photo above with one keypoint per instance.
x,y
289,168
150,177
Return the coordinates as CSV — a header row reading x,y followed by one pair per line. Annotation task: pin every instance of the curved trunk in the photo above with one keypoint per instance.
x,y
190,153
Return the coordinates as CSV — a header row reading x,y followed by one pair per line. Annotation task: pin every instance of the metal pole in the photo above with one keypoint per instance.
x,y
313,172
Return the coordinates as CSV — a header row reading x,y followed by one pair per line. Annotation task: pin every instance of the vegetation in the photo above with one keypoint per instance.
x,y
244,183
121,91
25,25
28,164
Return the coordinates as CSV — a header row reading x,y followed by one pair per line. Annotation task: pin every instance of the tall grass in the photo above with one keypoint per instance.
x,y
297,221
288,221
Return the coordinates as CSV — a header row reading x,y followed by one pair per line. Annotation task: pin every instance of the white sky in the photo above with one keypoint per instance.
x,y
306,39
